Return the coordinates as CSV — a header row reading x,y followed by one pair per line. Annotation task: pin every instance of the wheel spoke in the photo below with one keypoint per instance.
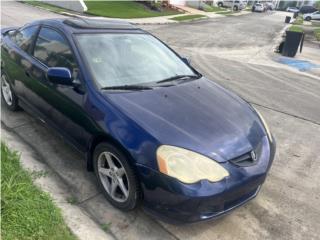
x,y
121,172
109,160
104,171
123,187
113,188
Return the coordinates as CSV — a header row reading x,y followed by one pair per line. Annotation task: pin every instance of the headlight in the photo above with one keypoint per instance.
x,y
264,124
188,166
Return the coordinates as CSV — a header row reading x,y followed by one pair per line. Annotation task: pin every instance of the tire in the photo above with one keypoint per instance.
x,y
308,18
235,8
111,165
220,4
8,96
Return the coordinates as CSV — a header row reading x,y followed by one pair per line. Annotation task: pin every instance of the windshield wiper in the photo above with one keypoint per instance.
x,y
127,87
179,77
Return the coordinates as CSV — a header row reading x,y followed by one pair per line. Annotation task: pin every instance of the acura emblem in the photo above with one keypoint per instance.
x,y
253,156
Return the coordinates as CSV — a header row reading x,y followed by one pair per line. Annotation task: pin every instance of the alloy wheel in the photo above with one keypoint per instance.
x,y
6,90
113,176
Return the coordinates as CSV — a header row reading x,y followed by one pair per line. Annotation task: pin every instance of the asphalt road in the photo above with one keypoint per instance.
x,y
229,51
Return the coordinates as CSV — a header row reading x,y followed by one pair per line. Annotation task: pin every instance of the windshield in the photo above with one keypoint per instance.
x,y
129,59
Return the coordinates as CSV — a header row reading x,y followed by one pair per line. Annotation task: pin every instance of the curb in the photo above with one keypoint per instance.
x,y
80,224
135,23
277,40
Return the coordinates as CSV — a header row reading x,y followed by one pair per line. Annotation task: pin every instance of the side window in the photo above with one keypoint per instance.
x,y
52,49
24,37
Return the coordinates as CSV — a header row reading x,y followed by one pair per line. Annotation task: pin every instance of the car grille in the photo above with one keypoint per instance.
x,y
248,158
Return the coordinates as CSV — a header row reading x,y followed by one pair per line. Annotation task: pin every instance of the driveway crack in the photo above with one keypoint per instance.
x,y
286,113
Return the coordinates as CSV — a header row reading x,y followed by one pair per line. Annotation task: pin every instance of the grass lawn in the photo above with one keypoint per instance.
x,y
188,17
317,33
298,21
26,211
208,8
46,6
295,28
124,9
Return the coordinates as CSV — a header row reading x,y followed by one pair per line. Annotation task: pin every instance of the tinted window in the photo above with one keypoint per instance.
x,y
24,37
52,49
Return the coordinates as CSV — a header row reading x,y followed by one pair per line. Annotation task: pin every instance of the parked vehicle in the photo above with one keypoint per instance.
x,y
236,5
312,16
151,127
307,9
269,6
293,9
258,7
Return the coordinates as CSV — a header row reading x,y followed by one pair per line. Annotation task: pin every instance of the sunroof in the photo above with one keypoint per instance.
x,y
98,23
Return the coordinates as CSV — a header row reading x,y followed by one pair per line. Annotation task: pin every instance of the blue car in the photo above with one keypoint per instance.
x,y
150,126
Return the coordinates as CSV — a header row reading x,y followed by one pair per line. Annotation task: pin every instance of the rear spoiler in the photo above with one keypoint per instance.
x,y
7,29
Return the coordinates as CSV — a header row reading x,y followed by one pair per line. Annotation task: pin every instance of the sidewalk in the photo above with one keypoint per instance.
x,y
188,11
163,19
151,20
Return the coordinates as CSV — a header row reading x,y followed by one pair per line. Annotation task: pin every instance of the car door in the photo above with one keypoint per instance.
x,y
316,15
61,106
16,58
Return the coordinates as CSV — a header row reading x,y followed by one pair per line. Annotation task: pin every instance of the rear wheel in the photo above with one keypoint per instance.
x,y
115,176
220,4
308,18
8,96
235,8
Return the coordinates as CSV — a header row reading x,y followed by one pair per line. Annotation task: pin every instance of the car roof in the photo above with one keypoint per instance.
x,y
307,6
81,25
97,24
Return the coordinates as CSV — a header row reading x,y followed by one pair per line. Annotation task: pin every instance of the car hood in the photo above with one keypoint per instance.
x,y
198,115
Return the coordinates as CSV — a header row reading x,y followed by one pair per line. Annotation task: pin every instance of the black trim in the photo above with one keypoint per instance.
x,y
82,23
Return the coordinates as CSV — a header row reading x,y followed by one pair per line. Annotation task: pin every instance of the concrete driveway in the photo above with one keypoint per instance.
x,y
288,204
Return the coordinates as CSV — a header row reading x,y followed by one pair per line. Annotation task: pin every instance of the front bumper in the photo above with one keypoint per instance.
x,y
176,202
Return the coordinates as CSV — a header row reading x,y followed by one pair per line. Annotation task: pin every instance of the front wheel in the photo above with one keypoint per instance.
x,y
235,8
308,18
115,176
8,96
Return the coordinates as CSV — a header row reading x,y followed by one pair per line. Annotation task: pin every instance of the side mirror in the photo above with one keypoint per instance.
x,y
60,75
186,60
